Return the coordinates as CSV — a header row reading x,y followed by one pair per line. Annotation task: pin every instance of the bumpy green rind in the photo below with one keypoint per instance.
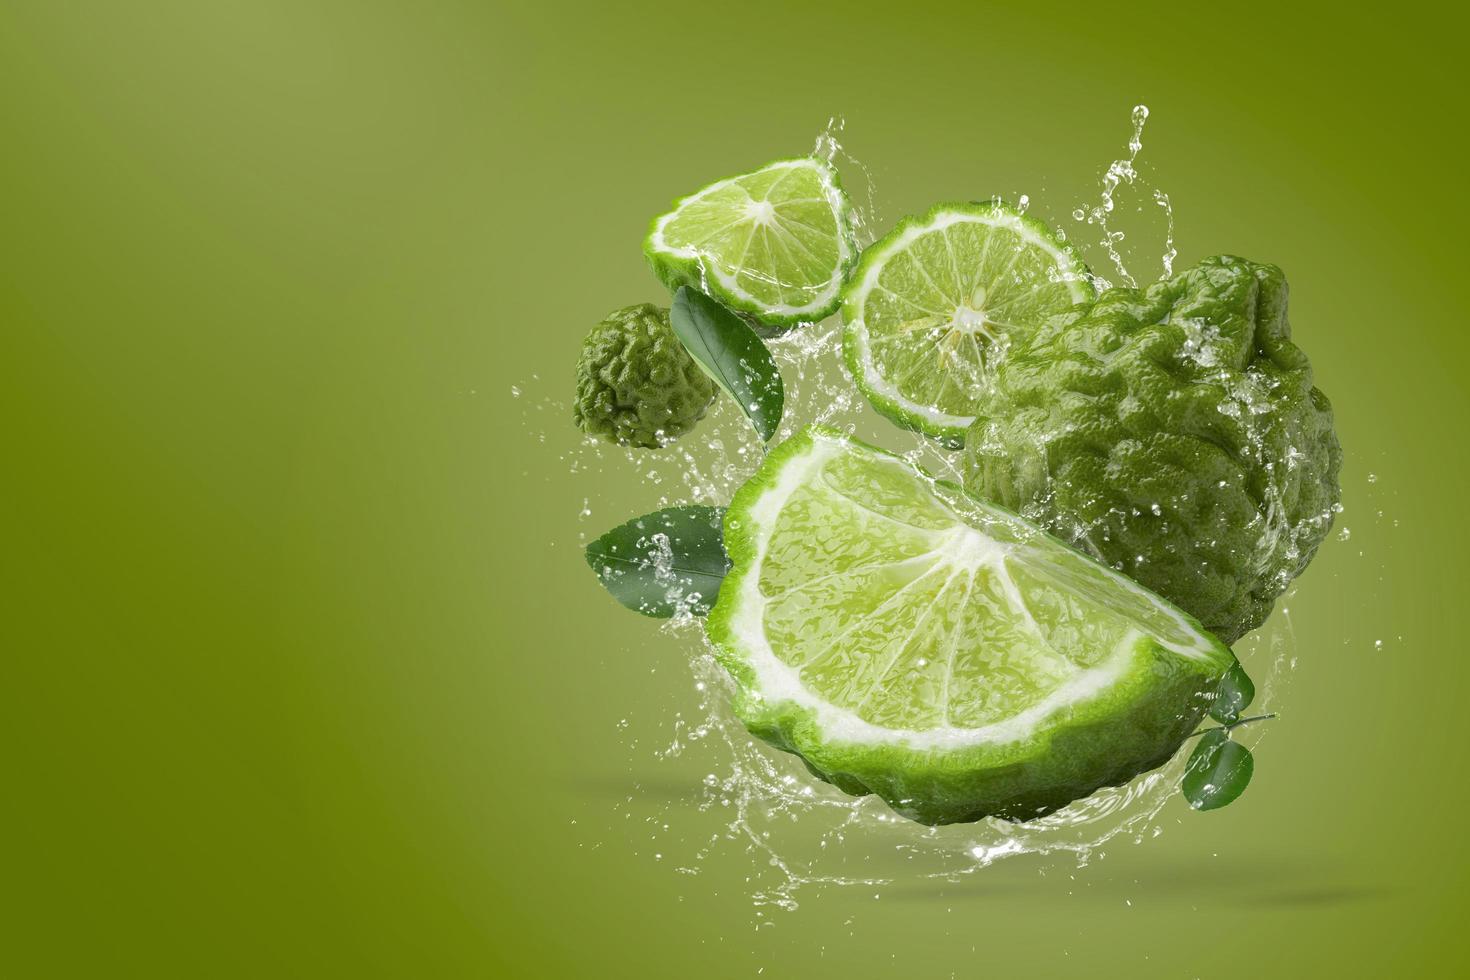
x,y
1173,432
1135,726
951,437
674,271
636,384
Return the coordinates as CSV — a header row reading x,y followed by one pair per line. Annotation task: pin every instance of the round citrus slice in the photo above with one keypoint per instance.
x,y
932,305
910,640
776,244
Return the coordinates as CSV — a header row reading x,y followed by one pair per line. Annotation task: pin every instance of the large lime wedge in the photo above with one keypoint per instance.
x,y
909,640
776,244
934,303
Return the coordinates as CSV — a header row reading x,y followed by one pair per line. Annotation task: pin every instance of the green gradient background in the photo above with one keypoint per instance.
x,y
304,676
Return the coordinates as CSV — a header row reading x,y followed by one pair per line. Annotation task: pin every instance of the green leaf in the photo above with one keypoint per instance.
x,y
1217,772
1233,696
729,351
665,562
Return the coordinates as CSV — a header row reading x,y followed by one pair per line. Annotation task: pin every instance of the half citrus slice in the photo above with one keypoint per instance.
x,y
776,244
934,303
910,640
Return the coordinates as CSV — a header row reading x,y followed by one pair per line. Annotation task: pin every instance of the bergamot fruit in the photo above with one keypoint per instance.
x,y
937,301
636,385
910,640
775,244
1175,434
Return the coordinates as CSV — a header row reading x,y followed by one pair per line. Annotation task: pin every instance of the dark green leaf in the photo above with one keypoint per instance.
x,y
1233,696
1217,772
728,350
664,562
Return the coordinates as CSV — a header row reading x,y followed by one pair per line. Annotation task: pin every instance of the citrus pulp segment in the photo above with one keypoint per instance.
x,y
931,306
775,244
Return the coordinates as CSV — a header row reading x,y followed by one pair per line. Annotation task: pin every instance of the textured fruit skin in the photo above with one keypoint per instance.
x,y
1174,433
636,385
1136,726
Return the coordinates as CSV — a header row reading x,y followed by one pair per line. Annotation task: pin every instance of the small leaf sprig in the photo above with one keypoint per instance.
x,y
1219,768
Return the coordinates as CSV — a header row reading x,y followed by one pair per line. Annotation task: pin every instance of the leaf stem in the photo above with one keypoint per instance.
x,y
1234,724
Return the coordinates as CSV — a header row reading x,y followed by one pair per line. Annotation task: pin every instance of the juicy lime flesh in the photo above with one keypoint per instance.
x,y
918,608
772,232
942,303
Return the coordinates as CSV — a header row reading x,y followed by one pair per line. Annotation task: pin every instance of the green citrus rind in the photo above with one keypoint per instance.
x,y
1153,698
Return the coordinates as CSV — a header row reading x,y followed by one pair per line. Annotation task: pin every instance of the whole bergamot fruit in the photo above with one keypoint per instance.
x,y
1173,432
636,385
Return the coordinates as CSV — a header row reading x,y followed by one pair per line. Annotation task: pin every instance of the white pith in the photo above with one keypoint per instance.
x,y
858,330
730,283
964,546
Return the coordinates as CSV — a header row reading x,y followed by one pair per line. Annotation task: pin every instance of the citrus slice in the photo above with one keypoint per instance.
x,y
934,303
776,244
910,640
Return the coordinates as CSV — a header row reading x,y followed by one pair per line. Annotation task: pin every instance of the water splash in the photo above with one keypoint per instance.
x,y
1170,252
799,834
863,191
802,835
1121,173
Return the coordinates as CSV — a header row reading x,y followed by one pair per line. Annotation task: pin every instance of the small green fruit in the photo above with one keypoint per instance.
x,y
636,385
